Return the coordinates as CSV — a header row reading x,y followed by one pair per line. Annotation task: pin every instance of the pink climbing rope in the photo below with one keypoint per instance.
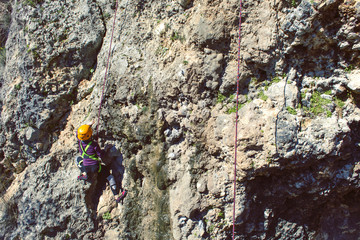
x,y
236,119
106,70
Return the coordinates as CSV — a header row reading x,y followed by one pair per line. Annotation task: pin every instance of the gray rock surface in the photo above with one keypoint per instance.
x,y
168,119
354,82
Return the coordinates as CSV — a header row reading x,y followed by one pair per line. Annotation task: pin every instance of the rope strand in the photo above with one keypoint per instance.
x,y
236,119
106,70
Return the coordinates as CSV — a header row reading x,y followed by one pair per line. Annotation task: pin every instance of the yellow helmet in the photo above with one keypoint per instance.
x,y
84,132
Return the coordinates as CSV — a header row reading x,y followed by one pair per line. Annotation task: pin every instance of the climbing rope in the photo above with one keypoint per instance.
x,y
236,118
106,69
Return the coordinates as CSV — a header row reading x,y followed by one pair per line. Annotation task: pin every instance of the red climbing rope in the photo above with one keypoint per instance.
x,y
106,70
236,118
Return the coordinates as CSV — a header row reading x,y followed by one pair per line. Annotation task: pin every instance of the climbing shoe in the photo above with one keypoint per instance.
x,y
83,177
122,196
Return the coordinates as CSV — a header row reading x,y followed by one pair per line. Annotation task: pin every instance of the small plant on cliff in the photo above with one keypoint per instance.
x,y
107,216
2,56
266,85
291,110
317,104
18,86
252,164
220,98
328,113
339,103
161,50
211,228
262,96
144,109
275,79
177,36
349,68
231,110
294,3
29,3
254,80
107,16
32,3
33,51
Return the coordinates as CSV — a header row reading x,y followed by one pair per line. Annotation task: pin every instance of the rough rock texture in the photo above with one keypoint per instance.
x,y
168,119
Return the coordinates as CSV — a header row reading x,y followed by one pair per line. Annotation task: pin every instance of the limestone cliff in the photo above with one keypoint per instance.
x,y
168,118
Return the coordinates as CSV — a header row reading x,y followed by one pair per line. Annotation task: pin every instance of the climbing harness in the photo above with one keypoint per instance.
x,y
236,118
106,69
93,157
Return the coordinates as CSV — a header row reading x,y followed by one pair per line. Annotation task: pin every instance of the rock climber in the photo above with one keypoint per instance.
x,y
90,164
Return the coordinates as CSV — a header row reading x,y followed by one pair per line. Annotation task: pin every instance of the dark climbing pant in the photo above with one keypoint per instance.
x,y
92,171
102,179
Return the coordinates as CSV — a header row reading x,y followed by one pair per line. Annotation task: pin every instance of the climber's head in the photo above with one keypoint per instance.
x,y
84,132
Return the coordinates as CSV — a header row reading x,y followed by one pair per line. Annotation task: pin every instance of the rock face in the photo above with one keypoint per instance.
x,y
168,119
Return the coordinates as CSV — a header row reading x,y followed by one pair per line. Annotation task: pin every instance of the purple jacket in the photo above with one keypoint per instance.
x,y
94,148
